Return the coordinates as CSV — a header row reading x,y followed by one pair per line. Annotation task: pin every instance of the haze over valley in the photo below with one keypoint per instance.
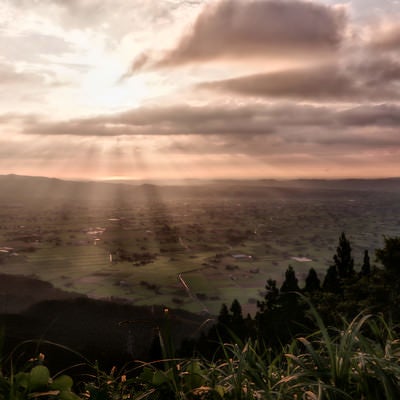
x,y
189,247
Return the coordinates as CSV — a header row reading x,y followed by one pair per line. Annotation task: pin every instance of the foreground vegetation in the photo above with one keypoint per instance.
x,y
288,351
312,356
359,361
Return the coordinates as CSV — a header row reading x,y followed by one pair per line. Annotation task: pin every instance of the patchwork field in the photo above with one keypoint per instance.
x,y
189,248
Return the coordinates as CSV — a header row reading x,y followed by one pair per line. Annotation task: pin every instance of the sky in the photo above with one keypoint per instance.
x,y
175,89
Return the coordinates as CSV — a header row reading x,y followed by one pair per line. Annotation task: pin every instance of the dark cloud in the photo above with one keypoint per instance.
x,y
377,70
140,61
309,83
299,122
174,120
234,29
285,136
381,115
365,80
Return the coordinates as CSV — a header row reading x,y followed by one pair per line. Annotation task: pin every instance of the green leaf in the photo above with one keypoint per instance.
x,y
63,382
22,380
39,377
193,377
147,374
220,390
195,367
159,378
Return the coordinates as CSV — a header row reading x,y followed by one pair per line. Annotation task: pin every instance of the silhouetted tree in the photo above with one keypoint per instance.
x,y
236,310
224,317
271,297
289,299
389,255
290,284
218,332
366,266
281,315
331,281
344,262
312,281
238,325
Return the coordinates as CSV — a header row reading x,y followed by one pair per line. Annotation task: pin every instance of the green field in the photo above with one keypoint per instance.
x,y
225,245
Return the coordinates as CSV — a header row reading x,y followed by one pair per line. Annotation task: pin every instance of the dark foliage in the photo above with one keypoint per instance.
x,y
313,283
282,314
366,266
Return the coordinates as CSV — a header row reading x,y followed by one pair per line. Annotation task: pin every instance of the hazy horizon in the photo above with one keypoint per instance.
x,y
200,89
200,181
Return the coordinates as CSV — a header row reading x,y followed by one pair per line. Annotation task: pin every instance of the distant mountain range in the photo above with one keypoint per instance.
x,y
32,188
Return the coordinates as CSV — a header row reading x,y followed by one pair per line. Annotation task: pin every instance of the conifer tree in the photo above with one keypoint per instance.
x,y
313,283
236,310
290,284
238,325
224,317
223,326
389,255
344,262
366,266
271,297
331,281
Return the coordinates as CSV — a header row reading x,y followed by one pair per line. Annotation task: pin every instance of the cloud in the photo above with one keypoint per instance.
x,y
284,136
306,83
14,117
279,121
173,120
9,75
276,28
31,46
386,38
364,80
19,80
121,16
381,115
90,10
378,70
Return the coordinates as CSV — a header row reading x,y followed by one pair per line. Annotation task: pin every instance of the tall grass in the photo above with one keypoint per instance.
x,y
359,360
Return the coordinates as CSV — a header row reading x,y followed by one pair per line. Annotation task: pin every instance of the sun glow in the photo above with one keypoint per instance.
x,y
102,89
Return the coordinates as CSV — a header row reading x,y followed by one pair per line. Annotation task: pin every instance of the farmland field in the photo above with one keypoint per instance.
x,y
187,247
